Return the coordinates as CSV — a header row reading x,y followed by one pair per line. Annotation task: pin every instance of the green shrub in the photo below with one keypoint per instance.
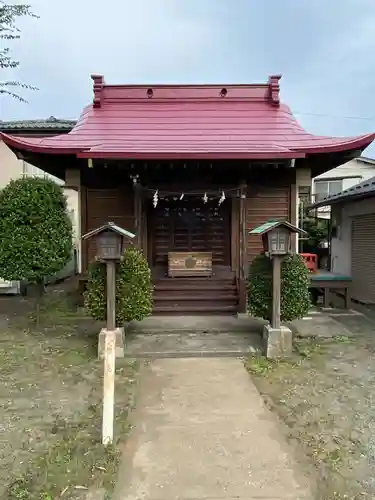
x,y
35,230
133,288
295,297
137,284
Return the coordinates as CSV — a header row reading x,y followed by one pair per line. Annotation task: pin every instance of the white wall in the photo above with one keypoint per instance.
x,y
341,247
11,167
72,203
351,173
358,166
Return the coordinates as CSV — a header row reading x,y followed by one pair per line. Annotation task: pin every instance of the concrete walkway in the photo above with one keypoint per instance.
x,y
202,432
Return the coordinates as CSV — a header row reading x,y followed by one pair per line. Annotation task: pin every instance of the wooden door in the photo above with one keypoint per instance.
x,y
190,225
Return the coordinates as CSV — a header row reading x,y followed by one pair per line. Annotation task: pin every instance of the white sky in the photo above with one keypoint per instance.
x,y
324,49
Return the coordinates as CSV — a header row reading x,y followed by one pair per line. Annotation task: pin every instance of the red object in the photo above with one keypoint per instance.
x,y
187,121
311,261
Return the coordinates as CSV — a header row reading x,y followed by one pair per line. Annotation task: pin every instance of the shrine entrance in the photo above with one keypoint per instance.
x,y
190,225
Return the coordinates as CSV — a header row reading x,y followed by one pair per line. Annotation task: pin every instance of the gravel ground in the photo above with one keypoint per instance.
x,y
326,396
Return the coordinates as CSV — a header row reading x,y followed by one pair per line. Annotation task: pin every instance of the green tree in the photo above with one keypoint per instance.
x,y
317,231
9,15
35,230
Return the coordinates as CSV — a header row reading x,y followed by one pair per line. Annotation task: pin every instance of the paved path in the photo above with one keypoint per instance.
x,y
203,433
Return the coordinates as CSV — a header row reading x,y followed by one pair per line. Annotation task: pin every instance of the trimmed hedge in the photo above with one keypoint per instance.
x,y
295,296
134,288
35,230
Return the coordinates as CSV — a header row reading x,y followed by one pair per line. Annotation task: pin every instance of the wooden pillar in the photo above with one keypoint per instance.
x,y
243,248
293,214
137,216
235,235
84,229
144,228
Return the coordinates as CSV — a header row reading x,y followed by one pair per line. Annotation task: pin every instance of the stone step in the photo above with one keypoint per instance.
x,y
195,307
183,345
189,324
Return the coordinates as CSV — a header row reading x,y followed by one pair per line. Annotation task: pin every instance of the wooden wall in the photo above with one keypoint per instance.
x,y
265,199
102,206
265,203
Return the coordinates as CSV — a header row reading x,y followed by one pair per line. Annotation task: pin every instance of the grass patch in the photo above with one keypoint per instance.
x,y
302,349
307,348
323,394
75,463
343,339
52,395
260,365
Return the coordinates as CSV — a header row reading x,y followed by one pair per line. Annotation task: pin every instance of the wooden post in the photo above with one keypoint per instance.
x,y
276,285
243,249
111,295
294,215
137,215
109,357
109,387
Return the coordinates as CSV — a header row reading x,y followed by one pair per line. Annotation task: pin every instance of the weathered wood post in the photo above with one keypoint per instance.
x,y
276,290
109,356
276,236
109,244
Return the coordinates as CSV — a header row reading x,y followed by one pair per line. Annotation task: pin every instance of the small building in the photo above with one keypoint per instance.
x,y
352,240
339,179
189,169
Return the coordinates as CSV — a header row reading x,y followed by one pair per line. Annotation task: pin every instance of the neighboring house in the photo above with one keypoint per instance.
x,y
340,178
353,237
13,168
190,169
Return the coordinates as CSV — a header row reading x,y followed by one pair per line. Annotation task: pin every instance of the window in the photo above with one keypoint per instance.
x,y
327,188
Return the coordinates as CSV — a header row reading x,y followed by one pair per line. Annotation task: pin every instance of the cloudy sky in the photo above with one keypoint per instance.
x,y
323,48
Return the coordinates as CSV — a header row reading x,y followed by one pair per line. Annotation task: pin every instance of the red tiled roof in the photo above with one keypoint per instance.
x,y
192,121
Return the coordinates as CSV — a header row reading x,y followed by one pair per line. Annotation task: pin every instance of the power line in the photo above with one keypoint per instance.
x,y
367,118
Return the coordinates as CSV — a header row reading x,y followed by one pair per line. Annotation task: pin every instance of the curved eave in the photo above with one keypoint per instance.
x,y
360,142
35,146
279,151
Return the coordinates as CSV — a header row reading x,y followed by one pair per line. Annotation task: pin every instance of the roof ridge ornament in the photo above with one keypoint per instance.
x,y
274,89
98,90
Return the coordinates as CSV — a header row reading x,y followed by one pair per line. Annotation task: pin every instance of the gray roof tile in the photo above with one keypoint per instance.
x,y
49,123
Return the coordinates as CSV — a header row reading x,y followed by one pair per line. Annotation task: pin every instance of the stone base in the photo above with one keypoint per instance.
x,y
120,344
278,341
